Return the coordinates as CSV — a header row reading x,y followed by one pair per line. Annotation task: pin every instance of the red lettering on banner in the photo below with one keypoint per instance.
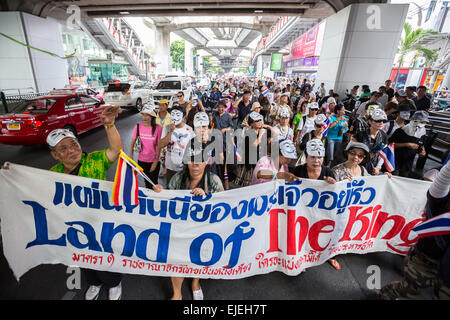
x,y
317,229
291,226
354,217
274,229
367,223
382,218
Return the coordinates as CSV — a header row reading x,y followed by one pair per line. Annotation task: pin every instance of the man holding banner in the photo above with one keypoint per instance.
x,y
65,148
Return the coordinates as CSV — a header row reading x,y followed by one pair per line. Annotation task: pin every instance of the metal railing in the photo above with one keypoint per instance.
x,y
439,102
439,133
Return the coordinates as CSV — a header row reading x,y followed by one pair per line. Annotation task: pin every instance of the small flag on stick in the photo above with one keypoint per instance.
x,y
126,187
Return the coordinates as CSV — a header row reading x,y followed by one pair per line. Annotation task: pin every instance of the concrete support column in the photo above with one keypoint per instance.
x,y
188,58
22,67
162,46
359,46
263,66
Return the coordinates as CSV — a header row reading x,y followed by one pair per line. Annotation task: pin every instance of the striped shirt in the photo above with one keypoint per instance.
x,y
441,184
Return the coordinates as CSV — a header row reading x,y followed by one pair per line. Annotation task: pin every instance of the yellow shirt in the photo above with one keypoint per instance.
x,y
163,122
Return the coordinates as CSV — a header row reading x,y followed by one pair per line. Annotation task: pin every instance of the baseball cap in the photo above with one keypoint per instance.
x,y
57,135
163,101
287,149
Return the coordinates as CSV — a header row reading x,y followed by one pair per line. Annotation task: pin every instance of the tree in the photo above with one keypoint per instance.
x,y
409,43
177,54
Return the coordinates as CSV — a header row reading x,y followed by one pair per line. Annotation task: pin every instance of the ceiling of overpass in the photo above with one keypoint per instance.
x,y
223,28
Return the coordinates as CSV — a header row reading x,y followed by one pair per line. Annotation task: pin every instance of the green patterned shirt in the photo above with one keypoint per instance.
x,y
93,165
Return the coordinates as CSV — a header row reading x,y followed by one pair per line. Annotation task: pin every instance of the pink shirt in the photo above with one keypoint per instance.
x,y
149,142
267,164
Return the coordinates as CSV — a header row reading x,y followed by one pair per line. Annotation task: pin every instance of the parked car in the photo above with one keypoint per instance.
x,y
78,90
128,94
30,121
169,87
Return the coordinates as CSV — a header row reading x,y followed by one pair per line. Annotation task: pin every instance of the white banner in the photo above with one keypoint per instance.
x,y
49,218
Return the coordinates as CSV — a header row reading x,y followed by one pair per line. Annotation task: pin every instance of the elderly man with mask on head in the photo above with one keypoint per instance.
x,y
409,141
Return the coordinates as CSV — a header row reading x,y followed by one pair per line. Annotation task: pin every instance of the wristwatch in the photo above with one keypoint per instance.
x,y
107,126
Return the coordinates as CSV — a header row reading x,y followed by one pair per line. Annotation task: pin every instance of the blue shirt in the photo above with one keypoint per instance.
x,y
333,132
216,96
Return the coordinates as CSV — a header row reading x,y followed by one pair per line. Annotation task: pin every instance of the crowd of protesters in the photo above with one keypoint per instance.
x,y
317,136
320,136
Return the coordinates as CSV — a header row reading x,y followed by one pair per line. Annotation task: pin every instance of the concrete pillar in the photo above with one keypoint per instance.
x,y
162,48
263,66
22,67
359,46
188,58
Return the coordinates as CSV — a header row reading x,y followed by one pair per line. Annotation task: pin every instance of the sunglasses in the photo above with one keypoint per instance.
x,y
380,121
179,96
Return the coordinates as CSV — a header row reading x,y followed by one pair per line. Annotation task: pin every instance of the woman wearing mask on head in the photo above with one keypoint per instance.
x,y
269,168
197,177
315,170
283,130
375,139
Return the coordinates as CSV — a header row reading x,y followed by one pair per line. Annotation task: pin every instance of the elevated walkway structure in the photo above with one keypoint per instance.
x,y
116,35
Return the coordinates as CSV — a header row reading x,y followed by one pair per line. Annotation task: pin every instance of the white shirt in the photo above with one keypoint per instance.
x,y
175,149
309,126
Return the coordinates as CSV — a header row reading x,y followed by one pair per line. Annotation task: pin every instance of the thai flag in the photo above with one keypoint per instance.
x,y
265,92
387,154
126,186
325,126
439,225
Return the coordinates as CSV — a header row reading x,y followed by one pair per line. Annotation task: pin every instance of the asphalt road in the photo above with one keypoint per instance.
x,y
318,283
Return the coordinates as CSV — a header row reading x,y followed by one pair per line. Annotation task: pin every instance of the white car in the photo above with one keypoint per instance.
x,y
128,95
169,87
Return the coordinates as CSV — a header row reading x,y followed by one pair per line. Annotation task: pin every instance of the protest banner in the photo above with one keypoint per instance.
x,y
50,218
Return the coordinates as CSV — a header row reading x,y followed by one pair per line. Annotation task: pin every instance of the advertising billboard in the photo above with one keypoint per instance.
x,y
276,63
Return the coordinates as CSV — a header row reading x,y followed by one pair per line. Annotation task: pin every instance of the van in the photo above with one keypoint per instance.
x,y
168,88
